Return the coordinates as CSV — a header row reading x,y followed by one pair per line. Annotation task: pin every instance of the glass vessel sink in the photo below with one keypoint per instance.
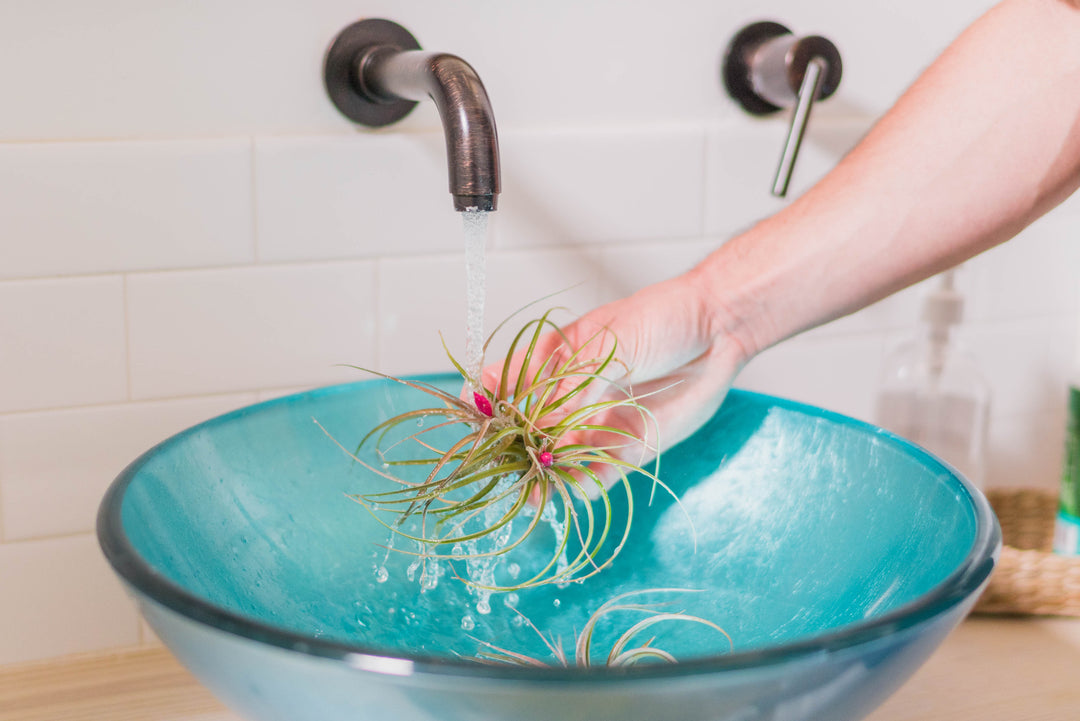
x,y
836,556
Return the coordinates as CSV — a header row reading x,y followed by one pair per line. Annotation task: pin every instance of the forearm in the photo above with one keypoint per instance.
x,y
985,141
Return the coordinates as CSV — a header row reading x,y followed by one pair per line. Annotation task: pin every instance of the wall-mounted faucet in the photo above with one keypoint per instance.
x,y
375,72
767,68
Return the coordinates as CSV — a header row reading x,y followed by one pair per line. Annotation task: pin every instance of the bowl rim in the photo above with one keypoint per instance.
x,y
967,578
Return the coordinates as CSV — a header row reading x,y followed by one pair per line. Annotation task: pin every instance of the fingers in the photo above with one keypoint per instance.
x,y
575,356
671,409
649,361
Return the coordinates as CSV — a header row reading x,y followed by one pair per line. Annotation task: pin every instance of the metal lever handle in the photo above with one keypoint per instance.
x,y
808,91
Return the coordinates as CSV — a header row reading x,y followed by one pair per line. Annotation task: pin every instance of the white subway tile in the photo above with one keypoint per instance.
x,y
242,67
838,373
899,311
742,160
1037,273
353,195
122,69
70,208
1026,450
269,394
218,331
902,311
570,278
1014,356
62,342
61,597
883,47
421,298
601,186
1063,354
238,66
56,465
602,63
626,269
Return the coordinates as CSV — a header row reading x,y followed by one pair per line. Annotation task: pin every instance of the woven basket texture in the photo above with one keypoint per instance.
x,y
1030,579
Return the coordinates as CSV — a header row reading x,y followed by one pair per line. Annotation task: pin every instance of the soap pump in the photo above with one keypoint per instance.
x,y
933,392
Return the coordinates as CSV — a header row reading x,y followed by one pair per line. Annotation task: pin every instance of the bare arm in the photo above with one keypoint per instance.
x,y
986,141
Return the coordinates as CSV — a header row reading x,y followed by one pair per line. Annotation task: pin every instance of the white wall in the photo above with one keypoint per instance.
x,y
188,226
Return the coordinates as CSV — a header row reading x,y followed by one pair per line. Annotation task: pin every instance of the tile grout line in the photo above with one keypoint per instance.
x,y
379,335
703,214
180,270
127,338
254,203
140,401
3,533
88,533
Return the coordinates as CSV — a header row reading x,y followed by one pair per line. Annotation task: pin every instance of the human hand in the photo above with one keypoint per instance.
x,y
670,356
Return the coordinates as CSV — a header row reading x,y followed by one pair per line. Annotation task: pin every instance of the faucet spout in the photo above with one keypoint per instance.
x,y
472,146
385,74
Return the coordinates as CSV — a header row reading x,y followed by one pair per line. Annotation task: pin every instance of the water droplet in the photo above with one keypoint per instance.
x,y
514,570
429,581
556,603
381,575
420,423
483,607
467,623
517,621
511,600
385,464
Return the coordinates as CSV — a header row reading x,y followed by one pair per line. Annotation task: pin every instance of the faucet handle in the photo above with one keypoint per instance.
x,y
767,68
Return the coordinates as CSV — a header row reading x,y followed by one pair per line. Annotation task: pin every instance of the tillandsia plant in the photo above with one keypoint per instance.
x,y
517,456
624,651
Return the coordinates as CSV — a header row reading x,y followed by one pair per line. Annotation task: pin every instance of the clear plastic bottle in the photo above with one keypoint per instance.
x,y
933,392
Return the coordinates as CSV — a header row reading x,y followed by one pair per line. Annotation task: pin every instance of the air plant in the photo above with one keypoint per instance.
x,y
624,651
516,455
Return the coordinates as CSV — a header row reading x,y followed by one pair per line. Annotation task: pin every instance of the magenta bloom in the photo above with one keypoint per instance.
x,y
546,458
482,404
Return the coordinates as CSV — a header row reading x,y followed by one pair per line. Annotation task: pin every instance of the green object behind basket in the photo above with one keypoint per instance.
x,y
1067,530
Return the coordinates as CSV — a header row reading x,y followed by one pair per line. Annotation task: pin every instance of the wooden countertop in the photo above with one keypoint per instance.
x,y
989,669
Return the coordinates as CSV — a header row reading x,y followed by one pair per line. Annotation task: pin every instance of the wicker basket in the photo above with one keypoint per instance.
x,y
1030,579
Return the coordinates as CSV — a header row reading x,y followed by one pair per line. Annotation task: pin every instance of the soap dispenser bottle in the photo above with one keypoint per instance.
x,y
933,393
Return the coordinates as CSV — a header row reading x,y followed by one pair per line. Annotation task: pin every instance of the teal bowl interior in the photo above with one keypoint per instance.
x,y
814,540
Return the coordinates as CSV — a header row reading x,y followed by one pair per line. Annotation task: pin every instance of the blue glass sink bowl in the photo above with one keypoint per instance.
x,y
835,554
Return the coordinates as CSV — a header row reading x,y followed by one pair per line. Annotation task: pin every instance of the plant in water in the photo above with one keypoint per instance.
x,y
516,456
624,651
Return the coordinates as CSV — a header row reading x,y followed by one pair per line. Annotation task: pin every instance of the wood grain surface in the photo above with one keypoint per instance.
x,y
990,669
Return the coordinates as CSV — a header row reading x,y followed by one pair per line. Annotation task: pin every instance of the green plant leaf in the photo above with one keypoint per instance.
x,y
494,465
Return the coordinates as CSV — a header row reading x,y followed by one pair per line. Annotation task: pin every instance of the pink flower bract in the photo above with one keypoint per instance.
x,y
482,404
